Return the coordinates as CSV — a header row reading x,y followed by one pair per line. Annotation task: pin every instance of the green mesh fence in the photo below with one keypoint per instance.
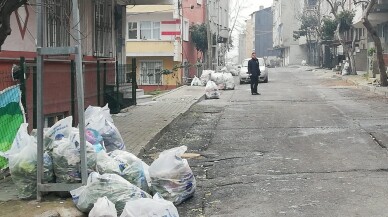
x,y
11,117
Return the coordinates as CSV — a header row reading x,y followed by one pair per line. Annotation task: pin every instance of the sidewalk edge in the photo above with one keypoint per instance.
x,y
159,134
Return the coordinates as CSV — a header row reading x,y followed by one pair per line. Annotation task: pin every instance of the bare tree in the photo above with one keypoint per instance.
x,y
6,9
370,4
342,27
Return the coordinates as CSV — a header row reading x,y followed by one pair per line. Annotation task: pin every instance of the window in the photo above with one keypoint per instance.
x,y
132,30
51,119
150,72
186,30
57,23
149,30
102,45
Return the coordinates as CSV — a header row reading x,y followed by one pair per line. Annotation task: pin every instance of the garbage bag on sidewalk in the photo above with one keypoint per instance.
x,y
66,158
59,130
212,91
98,120
196,81
132,168
114,187
229,81
103,208
147,207
172,177
205,77
23,163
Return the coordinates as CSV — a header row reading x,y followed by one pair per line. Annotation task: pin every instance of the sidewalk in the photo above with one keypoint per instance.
x,y
142,125
358,80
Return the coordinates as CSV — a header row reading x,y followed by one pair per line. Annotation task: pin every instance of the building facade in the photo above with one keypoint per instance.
x,y
218,21
98,46
263,33
158,37
285,21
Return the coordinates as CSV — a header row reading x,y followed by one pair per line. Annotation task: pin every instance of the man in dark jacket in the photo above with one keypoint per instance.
x,y
254,72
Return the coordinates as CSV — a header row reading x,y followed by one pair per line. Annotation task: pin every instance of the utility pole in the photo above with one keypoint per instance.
x,y
209,38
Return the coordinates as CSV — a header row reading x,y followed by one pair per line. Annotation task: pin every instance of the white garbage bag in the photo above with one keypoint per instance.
x,y
59,130
217,78
196,81
114,187
212,91
147,207
99,120
171,176
205,77
103,208
22,159
229,81
132,169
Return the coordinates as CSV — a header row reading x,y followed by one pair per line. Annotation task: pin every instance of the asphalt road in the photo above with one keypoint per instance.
x,y
308,146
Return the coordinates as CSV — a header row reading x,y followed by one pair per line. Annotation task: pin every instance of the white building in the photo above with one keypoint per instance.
x,y
218,18
285,22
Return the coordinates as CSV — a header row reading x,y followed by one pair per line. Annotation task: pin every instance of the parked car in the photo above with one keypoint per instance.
x,y
244,76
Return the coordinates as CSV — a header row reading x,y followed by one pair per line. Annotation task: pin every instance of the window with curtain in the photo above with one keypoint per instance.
x,y
149,30
150,72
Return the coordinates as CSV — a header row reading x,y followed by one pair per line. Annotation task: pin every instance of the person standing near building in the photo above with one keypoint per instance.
x,y
254,72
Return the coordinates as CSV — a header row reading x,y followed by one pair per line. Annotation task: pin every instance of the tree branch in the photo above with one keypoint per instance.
x,y
7,7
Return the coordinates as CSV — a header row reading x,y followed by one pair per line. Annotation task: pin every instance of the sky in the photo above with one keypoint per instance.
x,y
248,7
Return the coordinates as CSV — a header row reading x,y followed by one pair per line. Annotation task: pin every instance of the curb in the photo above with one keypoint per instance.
x,y
170,91
369,88
159,134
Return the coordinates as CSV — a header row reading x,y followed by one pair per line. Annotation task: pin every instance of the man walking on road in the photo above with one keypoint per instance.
x,y
254,72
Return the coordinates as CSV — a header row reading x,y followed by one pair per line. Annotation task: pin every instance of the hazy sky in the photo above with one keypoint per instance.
x,y
248,7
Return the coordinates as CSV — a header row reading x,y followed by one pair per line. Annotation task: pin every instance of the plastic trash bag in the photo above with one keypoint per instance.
x,y
66,158
103,208
229,81
114,187
212,91
91,111
59,130
147,207
218,78
196,81
22,159
172,177
106,164
111,136
205,77
132,168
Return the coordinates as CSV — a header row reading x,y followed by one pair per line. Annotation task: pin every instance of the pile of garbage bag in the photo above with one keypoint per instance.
x,y
117,178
